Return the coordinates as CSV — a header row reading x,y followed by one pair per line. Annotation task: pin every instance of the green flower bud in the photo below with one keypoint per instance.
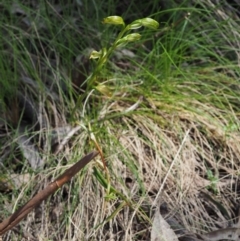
x,y
135,25
146,22
131,37
128,38
150,23
115,20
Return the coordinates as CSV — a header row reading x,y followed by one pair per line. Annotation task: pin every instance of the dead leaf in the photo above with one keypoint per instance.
x,y
29,150
13,181
161,230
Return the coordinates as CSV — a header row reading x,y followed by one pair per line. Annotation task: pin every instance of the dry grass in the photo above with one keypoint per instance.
x,y
178,149
151,164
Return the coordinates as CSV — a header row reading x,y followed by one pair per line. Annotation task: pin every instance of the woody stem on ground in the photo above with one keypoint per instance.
x,y
22,212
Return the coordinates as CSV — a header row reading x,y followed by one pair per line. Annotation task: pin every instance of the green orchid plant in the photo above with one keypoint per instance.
x,y
102,56
123,38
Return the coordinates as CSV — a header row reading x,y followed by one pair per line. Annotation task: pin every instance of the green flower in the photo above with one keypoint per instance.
x,y
115,20
98,54
128,38
146,22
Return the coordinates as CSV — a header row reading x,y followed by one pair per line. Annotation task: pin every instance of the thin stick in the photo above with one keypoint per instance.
x,y
171,166
22,212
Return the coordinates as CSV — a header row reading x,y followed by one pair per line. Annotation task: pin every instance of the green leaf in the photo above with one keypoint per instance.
x,y
115,20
